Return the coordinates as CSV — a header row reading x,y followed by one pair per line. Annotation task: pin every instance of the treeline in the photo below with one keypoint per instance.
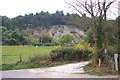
x,y
45,19
13,37
14,30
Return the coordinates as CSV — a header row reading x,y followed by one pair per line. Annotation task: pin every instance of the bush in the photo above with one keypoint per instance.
x,y
46,39
66,40
79,52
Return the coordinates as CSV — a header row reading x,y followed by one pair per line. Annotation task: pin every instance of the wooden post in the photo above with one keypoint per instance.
x,y
41,37
36,50
20,57
99,64
106,50
116,61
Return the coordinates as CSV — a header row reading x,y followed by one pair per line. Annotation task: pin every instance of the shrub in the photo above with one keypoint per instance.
x,y
46,39
78,52
66,39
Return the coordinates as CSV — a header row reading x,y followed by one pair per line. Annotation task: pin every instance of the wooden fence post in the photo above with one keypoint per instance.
x,y
116,61
36,50
20,57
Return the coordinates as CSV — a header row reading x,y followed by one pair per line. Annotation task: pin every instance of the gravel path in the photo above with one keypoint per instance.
x,y
74,70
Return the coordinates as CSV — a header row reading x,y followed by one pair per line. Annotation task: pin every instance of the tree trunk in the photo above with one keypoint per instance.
x,y
95,41
106,33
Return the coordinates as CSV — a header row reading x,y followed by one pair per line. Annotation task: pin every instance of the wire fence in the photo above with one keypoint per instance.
x,y
10,59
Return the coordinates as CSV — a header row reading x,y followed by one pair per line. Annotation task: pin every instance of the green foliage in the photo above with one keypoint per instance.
x,y
36,61
45,19
28,64
7,22
46,39
82,22
32,40
32,21
89,36
78,52
11,54
99,33
66,39
113,30
12,37
84,46
118,43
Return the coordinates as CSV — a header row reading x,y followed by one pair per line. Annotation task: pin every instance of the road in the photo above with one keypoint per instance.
x,y
73,70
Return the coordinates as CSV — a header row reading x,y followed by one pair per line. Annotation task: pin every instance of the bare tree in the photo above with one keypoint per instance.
x,y
94,8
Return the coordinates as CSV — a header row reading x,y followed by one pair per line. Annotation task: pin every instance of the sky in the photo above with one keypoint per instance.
x,y
13,8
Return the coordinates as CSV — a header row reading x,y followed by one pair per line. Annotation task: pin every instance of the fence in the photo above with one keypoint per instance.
x,y
13,59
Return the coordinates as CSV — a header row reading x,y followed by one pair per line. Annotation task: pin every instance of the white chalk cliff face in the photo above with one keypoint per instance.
x,y
60,30
57,31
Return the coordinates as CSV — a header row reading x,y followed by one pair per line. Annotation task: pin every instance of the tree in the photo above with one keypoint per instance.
x,y
83,22
89,36
45,19
7,22
95,9
12,37
66,39
118,24
45,39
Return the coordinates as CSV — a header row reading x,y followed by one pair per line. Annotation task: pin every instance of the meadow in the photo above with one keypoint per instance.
x,y
11,54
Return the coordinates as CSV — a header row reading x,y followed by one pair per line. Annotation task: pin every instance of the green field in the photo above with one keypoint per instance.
x,y
11,54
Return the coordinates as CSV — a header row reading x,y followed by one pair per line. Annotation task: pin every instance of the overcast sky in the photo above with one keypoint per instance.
x,y
12,8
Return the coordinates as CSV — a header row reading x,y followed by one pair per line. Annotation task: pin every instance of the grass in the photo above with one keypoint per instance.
x,y
99,71
11,54
35,62
26,65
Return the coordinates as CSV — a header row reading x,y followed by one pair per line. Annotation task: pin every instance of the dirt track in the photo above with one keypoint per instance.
x,y
74,70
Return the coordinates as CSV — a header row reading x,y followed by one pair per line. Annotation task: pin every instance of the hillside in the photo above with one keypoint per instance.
x,y
57,31
46,20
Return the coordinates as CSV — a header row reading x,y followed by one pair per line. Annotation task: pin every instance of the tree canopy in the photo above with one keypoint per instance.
x,y
45,19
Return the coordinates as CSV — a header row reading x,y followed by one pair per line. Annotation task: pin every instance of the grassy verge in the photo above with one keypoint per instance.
x,y
35,62
99,71
28,65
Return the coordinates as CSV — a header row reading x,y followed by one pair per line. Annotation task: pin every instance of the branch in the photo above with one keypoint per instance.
x,y
88,9
109,4
99,9
91,7
75,8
